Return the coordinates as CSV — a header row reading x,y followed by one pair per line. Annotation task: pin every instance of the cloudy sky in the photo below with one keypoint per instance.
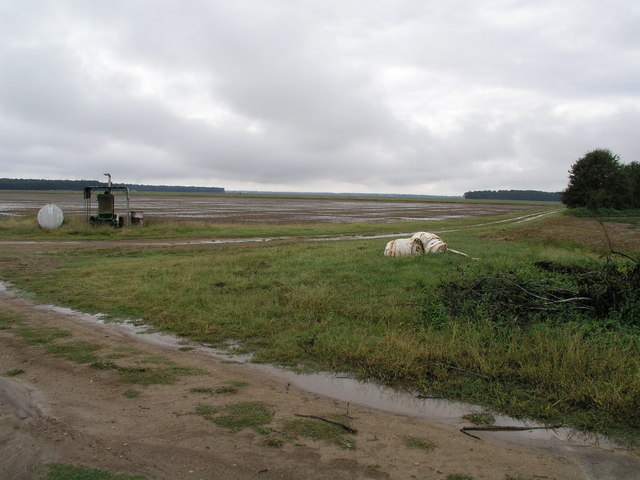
x,y
387,96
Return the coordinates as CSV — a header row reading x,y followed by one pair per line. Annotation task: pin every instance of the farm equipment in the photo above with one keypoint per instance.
x,y
106,205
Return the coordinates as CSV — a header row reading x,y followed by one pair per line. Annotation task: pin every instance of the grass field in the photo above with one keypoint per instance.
x,y
543,325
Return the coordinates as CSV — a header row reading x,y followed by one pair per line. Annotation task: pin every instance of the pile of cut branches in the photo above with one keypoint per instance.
x,y
609,293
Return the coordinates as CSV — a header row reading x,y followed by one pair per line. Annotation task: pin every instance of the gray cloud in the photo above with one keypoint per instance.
x,y
404,96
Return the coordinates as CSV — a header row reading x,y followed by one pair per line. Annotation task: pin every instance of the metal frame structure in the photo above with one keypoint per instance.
x,y
88,191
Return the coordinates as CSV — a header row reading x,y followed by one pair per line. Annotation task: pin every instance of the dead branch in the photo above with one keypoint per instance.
x,y
471,435
635,260
341,425
508,428
547,301
516,284
614,252
574,299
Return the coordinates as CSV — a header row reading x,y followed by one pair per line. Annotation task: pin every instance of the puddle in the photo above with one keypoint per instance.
x,y
19,400
599,457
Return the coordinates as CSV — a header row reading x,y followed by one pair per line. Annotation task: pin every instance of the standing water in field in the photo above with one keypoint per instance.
x,y
232,208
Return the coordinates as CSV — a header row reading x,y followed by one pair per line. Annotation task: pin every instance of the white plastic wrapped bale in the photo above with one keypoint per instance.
x,y
403,247
431,242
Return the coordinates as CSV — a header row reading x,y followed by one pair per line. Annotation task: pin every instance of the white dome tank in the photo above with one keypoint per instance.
x,y
50,217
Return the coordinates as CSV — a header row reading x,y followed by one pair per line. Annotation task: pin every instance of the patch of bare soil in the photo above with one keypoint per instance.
x,y
73,413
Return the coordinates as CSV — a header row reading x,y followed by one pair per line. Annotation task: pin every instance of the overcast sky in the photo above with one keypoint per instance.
x,y
386,96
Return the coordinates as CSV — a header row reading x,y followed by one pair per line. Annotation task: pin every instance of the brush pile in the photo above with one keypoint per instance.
x,y
551,292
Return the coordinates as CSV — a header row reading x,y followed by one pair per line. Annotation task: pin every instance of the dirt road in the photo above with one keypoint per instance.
x,y
72,413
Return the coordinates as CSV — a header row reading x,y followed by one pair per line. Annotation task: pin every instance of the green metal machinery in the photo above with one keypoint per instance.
x,y
106,205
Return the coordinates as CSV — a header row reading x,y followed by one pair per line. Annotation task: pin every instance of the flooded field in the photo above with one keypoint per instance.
x,y
229,209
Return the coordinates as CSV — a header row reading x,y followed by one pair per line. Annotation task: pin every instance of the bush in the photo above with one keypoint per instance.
x,y
607,294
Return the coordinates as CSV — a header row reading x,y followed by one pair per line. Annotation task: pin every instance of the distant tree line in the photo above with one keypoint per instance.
x,y
36,184
598,180
528,195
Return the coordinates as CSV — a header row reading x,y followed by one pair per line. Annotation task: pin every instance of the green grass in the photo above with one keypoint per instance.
x,y
155,359
242,415
76,352
238,416
319,430
207,411
69,472
230,387
419,443
201,390
9,319
480,418
126,351
421,322
13,372
272,442
225,390
152,375
41,335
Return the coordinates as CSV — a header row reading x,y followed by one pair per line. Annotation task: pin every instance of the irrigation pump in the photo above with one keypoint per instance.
x,y
106,205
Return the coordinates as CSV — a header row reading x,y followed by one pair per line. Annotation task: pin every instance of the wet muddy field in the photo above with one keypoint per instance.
x,y
237,208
